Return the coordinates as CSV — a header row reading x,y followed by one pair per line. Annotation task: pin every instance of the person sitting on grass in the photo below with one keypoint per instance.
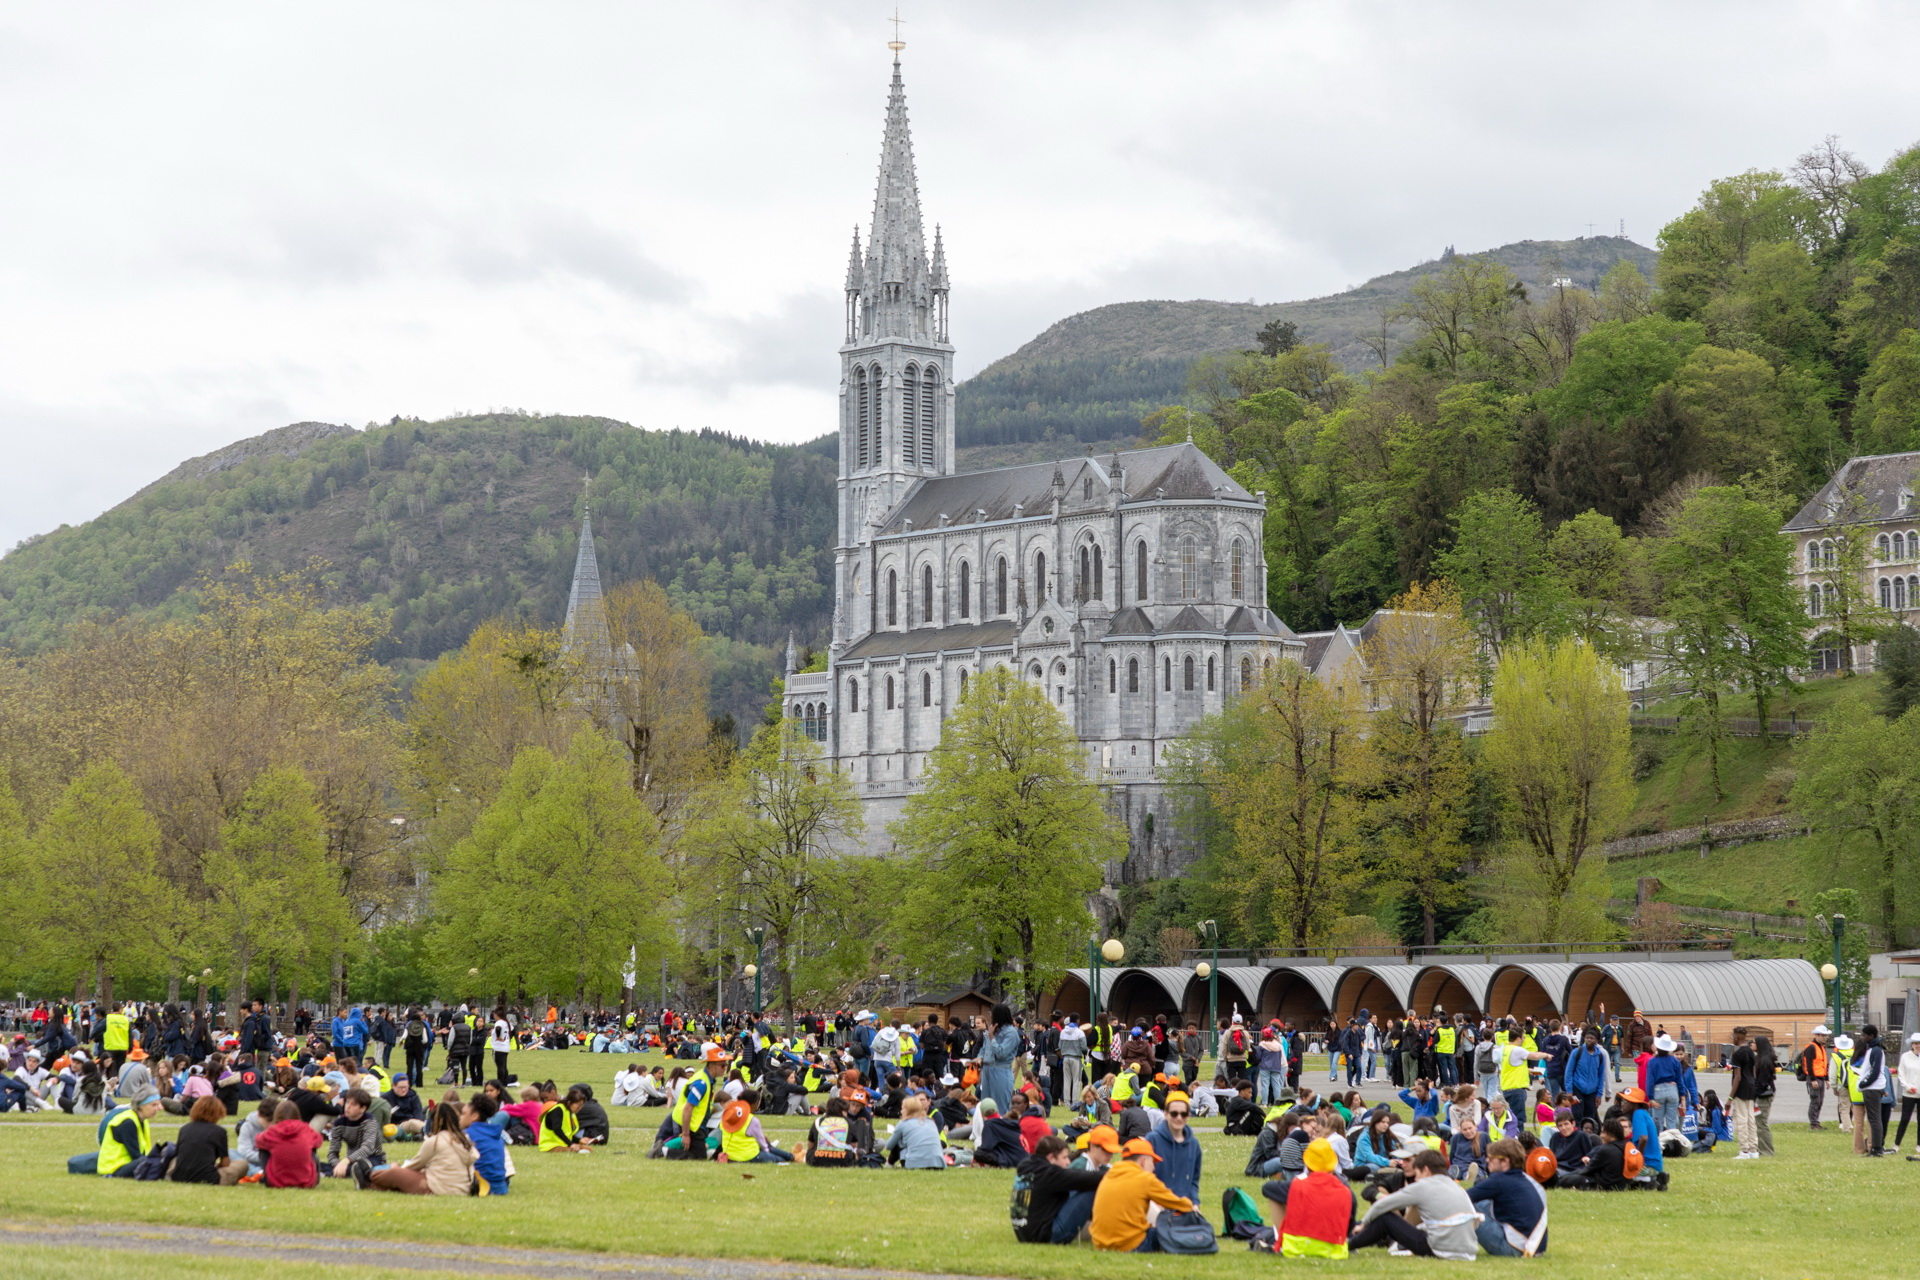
x,y
1447,1216
405,1113
200,1151
444,1166
1605,1169
289,1145
742,1140
1571,1145
1058,1197
359,1132
1318,1216
1467,1153
247,1137
1513,1207
915,1142
829,1139
559,1127
1244,1115
492,1164
1129,1201
1033,1125
124,1136
595,1128
998,1142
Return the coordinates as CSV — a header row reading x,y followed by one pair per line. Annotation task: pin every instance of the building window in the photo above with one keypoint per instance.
x,y
1000,586
1882,548
1189,568
926,593
853,696
1083,586
1209,675
1140,570
1246,674
1813,601
860,412
1813,555
1099,572
1166,674
889,693
926,688
1239,568
1826,553
1133,675
1187,674
1899,593
966,589
893,598
909,415
1040,579
963,685
1266,668
1886,594
1113,676
929,397
1086,489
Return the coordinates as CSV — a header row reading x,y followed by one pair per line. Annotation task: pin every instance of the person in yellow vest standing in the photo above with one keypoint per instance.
x,y
1513,1057
117,1041
1446,1043
683,1136
124,1137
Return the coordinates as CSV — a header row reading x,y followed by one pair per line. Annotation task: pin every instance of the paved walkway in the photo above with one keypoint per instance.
x,y
271,1246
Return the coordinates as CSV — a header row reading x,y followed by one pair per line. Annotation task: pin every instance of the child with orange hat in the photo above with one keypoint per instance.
x,y
1129,1201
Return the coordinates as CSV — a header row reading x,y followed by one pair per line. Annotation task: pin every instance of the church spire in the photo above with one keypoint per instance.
x,y
899,287
586,634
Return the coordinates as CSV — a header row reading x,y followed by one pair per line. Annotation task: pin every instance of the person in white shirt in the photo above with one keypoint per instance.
x,y
626,1085
1907,1082
500,1041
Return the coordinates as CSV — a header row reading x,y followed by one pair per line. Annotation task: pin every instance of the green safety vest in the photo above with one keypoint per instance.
x,y
113,1155
1512,1076
695,1118
1844,1061
118,1038
569,1128
1443,1042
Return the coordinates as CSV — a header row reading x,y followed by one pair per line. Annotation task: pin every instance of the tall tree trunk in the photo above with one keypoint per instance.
x,y
273,982
103,983
237,990
173,983
337,980
293,998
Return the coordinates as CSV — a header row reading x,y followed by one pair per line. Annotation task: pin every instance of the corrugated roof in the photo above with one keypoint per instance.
x,y
1323,978
1476,978
1866,488
1730,986
1398,977
894,644
1181,470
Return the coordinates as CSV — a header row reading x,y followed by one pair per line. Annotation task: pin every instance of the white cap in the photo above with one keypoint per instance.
x,y
1843,1043
1822,1030
1912,1039
863,1015
1663,1042
1238,1018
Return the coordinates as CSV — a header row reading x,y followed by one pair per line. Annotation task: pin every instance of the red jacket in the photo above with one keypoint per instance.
x,y
1319,1207
290,1145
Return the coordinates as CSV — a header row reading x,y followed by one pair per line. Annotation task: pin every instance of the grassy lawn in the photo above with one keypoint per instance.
x,y
1761,876
1678,791
1721,1218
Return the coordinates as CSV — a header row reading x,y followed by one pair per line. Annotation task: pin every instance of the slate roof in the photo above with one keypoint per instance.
x,y
1181,470
1873,483
1131,621
1249,620
894,644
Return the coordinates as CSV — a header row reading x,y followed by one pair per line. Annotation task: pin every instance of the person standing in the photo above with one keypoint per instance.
x,y
1869,1119
1907,1085
1765,1066
1813,1066
417,1037
116,1038
1587,1076
933,1048
476,1050
1073,1056
1272,1058
384,1035
997,1053
500,1040
1744,1093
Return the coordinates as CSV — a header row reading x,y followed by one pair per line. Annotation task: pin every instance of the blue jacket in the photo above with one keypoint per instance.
x,y
1431,1107
1663,1068
350,1031
1516,1201
1179,1165
1647,1138
1558,1046
1587,1072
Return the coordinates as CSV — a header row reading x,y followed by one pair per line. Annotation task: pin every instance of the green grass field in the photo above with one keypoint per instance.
x,y
1777,877
1814,1207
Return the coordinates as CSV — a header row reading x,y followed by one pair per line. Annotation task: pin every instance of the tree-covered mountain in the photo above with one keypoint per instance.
x,y
449,523
1090,378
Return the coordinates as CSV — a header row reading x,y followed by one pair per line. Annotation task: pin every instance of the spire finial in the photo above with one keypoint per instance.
x,y
896,44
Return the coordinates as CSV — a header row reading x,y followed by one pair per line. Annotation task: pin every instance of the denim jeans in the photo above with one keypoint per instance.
x,y
1493,1238
1076,1213
1269,1087
1666,1105
1449,1069
1373,1063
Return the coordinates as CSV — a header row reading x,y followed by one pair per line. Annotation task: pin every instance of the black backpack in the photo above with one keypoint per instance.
x,y
1020,1202
416,1032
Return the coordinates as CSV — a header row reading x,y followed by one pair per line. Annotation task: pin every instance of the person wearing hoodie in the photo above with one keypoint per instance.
x,y
999,1141
1059,1197
885,1052
289,1144
1073,1056
1270,1060
1586,1076
1178,1147
350,1033
355,1136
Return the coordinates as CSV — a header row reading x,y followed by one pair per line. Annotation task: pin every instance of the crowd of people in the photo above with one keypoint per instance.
x,y
1485,1117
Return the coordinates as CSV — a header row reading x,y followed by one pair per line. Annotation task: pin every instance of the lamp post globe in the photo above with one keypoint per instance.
x,y
1112,951
1201,970
752,971
1828,973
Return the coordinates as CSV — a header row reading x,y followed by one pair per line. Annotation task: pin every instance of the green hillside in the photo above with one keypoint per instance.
x,y
448,523
1091,377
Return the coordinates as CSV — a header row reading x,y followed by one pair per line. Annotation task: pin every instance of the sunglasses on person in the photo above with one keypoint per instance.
x,y
1177,1113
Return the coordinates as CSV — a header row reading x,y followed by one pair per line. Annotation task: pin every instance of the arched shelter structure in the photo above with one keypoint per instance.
x,y
1453,988
1378,988
1529,990
1708,998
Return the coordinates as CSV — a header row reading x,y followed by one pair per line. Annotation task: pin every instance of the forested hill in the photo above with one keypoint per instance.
x,y
448,523
1090,378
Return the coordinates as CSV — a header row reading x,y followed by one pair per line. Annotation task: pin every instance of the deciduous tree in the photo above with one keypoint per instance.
x,y
97,853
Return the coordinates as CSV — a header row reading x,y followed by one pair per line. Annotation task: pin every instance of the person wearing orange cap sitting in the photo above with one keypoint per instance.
x,y
742,1141
1124,1207
683,1134
1319,1208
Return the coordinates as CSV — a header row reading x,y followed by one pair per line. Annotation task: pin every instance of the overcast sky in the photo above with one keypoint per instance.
x,y
217,219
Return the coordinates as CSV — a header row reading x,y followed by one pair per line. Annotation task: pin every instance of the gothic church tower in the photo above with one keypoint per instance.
x,y
896,366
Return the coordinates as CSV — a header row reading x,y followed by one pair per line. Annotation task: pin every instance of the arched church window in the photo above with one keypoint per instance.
x,y
1239,568
1086,489
889,693
893,598
926,593
860,413
1187,674
1246,674
1881,547
910,416
1113,676
853,696
963,685
929,397
966,589
1040,578
1083,585
1209,675
1140,571
1813,601
1886,594
926,688
1166,674
1000,586
1899,593
1189,567
1133,675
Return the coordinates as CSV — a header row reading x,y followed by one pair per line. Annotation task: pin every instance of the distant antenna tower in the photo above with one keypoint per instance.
x,y
1623,228
1589,231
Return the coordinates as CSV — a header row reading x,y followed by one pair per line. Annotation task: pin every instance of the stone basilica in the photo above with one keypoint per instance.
x,y
1130,587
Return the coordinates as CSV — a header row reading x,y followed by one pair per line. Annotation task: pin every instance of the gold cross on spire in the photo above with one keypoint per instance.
x,y
896,44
